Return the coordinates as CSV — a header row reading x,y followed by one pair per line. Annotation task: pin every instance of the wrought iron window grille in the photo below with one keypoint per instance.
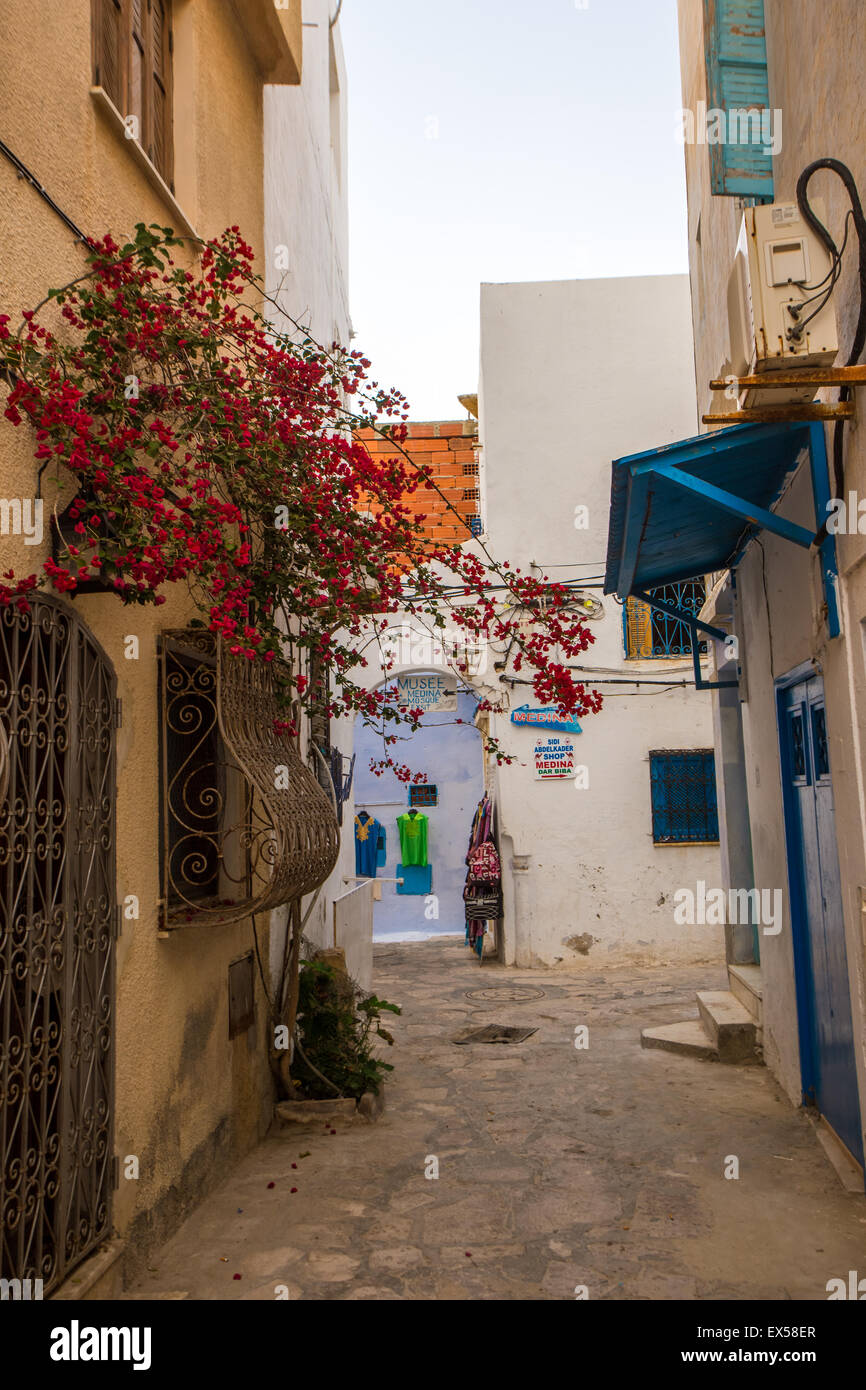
x,y
649,633
245,826
683,793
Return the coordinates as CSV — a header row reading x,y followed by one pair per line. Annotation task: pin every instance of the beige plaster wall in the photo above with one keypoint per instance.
x,y
188,1098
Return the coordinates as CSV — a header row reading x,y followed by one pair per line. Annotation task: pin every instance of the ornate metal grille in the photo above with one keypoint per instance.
x,y
245,824
684,803
57,926
647,633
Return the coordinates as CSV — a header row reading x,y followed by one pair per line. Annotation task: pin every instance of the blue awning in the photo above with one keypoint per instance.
x,y
690,508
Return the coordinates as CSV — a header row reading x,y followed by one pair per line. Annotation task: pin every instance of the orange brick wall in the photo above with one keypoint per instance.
x,y
447,447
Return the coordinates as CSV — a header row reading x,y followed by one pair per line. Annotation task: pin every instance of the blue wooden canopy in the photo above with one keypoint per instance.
x,y
691,508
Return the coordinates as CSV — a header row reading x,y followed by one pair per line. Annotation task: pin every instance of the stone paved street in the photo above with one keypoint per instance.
x,y
558,1167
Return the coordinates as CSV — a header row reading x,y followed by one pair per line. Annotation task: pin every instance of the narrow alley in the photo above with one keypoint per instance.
x,y
564,1172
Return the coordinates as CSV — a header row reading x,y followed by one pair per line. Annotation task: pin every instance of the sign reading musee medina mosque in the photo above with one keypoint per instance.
x,y
434,694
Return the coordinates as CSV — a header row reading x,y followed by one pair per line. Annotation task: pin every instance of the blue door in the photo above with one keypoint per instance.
x,y
823,997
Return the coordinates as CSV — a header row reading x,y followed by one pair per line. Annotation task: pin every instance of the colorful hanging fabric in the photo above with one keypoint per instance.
x,y
369,840
413,838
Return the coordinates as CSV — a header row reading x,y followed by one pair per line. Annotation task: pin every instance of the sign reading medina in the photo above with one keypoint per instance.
x,y
543,719
434,694
554,757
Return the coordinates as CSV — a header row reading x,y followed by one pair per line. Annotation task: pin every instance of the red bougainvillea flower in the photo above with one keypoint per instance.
x,y
209,449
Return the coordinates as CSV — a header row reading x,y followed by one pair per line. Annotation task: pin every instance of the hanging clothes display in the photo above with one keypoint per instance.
x,y
369,844
413,838
482,894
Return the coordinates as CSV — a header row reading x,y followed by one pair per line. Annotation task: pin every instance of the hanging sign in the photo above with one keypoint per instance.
x,y
543,719
554,757
434,694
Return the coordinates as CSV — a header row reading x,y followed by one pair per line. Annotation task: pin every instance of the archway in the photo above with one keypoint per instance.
x,y
447,749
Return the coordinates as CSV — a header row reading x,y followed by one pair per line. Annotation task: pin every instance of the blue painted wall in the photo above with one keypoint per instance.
x,y
450,755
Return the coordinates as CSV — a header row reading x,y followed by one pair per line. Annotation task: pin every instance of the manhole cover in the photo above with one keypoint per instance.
x,y
508,994
493,1033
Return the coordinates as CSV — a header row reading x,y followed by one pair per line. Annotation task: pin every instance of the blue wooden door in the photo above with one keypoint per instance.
x,y
824,1000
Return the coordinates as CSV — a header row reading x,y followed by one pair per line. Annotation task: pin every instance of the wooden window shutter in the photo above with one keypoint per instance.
x,y
741,163
638,629
160,147
107,21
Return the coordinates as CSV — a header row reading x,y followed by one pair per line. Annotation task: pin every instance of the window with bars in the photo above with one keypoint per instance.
x,y
683,793
132,62
424,794
648,633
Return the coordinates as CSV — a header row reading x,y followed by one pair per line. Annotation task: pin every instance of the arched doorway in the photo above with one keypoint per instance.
x,y
446,748
57,933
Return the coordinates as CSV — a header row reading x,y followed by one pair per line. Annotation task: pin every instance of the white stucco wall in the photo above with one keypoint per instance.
x,y
573,375
306,256
306,207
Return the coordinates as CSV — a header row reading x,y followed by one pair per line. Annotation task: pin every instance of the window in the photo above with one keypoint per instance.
x,y
206,805
683,789
424,795
244,823
132,61
648,633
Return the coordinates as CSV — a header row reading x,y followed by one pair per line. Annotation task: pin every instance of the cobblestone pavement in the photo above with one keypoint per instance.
x,y
558,1167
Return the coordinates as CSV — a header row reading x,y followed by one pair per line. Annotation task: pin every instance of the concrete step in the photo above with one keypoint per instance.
x,y
690,1038
730,1026
745,983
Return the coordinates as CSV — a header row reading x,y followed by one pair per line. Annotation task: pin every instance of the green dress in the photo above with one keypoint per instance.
x,y
413,839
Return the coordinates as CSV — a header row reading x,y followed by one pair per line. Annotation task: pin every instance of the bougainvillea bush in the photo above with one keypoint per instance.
x,y
200,446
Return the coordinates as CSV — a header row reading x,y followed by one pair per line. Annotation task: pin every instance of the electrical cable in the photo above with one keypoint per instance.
x,y
30,177
835,166
767,603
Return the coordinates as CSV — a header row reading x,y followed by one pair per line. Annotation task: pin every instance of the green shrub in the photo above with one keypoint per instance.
x,y
337,1026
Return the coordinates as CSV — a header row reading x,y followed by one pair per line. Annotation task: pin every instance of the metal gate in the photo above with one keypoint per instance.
x,y
57,932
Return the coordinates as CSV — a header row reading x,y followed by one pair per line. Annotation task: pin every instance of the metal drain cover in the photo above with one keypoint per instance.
x,y
507,994
493,1033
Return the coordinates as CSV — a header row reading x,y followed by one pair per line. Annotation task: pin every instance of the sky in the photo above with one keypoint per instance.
x,y
501,140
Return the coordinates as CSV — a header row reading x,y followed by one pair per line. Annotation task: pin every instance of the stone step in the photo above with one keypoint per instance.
x,y
730,1026
690,1038
745,983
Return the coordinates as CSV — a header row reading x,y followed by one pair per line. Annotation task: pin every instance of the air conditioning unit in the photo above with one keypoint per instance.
x,y
780,307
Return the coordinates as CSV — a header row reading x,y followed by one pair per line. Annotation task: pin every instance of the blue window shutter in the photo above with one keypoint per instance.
x,y
736,52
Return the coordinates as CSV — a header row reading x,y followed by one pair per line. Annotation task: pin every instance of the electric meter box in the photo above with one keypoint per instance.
x,y
781,274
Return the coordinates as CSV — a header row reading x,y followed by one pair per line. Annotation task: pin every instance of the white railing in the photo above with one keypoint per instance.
x,y
353,931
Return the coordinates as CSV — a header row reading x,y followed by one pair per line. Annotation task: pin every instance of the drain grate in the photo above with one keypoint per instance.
x,y
507,994
493,1033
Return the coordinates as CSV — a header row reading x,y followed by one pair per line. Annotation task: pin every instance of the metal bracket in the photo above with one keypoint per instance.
x,y
694,625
